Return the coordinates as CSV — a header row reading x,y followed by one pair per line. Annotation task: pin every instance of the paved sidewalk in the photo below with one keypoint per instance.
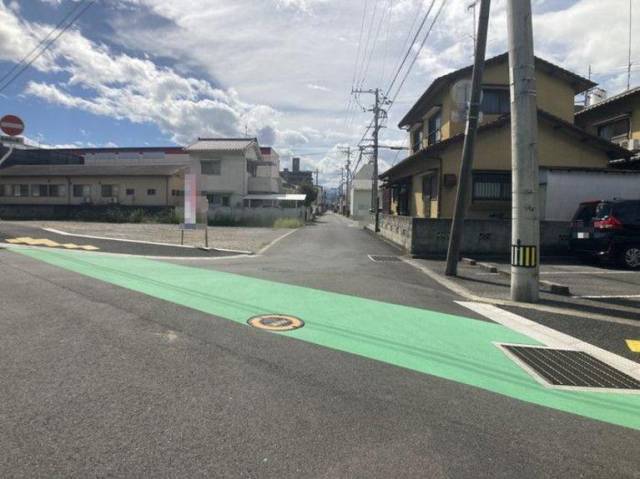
x,y
600,320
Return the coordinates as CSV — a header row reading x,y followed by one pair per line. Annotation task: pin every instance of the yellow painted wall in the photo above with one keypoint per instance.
x,y
630,105
493,152
553,94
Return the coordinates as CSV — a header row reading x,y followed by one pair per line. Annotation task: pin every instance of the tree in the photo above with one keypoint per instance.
x,y
310,191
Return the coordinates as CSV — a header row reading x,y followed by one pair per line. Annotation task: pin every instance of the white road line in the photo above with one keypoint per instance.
x,y
550,337
590,272
127,255
123,240
613,296
465,293
262,251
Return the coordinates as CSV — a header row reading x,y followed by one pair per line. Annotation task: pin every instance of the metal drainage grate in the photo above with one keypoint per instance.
x,y
570,369
382,258
275,322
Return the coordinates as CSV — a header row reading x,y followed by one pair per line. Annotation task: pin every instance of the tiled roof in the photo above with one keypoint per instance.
x,y
90,170
221,144
115,150
612,149
578,82
611,99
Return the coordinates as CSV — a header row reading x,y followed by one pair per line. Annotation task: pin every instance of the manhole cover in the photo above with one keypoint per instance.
x,y
276,322
383,259
570,369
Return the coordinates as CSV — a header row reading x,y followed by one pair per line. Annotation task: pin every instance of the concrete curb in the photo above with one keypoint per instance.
x,y
549,286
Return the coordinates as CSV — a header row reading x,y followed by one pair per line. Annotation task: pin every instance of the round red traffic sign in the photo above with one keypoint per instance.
x,y
11,125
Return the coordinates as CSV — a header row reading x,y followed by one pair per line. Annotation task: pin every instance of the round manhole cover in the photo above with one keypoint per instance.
x,y
276,322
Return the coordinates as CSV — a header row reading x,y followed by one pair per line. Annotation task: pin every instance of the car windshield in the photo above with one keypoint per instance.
x,y
585,212
603,210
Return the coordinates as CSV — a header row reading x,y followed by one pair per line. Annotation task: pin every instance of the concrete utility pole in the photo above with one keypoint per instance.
x,y
348,175
374,186
377,115
525,223
466,164
472,6
342,189
630,32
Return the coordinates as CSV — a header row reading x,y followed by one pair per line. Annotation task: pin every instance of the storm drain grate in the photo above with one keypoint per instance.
x,y
383,259
572,369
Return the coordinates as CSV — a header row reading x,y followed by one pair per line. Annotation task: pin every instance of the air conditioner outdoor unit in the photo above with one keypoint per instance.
x,y
86,199
113,200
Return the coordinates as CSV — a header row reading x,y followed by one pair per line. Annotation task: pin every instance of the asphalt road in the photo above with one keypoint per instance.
x,y
101,380
15,231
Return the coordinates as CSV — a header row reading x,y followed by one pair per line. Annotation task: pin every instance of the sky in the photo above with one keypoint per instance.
x,y
164,72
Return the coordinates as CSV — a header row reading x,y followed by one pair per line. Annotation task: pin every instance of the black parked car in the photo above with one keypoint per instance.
x,y
609,230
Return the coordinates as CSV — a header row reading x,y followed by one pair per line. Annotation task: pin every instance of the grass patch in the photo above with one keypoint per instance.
x,y
287,223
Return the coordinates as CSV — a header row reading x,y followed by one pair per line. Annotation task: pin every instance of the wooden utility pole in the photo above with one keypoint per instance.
x,y
466,164
525,223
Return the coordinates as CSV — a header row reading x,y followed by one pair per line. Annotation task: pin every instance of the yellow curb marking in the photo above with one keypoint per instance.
x,y
49,243
634,345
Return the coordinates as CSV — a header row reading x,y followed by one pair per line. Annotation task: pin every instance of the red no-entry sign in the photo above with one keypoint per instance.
x,y
11,125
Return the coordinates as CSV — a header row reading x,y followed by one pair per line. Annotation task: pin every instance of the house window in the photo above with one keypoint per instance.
x,y
56,190
416,139
177,192
492,186
3,188
39,190
216,199
81,191
434,129
614,129
211,167
151,192
430,187
495,101
20,190
130,191
108,191
252,169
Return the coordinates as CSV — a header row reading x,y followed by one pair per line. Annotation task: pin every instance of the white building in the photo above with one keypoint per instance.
x,y
229,169
360,192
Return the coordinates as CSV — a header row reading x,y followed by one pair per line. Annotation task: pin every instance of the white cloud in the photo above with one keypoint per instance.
x,y
313,86
283,69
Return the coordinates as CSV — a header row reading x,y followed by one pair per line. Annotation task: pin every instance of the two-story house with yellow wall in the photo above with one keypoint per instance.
x,y
616,119
424,184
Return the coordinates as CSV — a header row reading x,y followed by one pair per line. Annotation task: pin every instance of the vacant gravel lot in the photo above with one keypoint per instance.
x,y
236,238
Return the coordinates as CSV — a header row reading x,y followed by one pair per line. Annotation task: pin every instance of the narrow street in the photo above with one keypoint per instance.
x,y
124,366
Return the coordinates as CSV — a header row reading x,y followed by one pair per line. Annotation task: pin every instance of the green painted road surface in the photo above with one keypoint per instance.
x,y
452,347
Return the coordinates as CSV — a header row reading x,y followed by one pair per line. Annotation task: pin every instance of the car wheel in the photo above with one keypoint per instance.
x,y
631,257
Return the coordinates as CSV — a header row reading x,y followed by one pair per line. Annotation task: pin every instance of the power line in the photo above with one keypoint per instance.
x,y
366,48
51,32
350,102
424,41
46,45
385,55
364,16
413,41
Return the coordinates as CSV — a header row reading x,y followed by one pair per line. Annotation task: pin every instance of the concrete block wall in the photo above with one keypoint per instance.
x,y
398,229
482,237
